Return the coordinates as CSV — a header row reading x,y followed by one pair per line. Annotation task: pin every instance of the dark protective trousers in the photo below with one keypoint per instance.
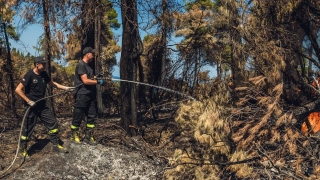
x,y
43,112
85,104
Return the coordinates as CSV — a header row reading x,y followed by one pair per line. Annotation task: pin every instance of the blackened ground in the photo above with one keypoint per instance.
x,y
117,156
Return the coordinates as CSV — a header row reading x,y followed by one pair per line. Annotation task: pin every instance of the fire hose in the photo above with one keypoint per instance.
x,y
159,87
98,78
22,123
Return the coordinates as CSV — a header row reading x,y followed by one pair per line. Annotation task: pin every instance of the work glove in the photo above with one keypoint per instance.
x,y
101,81
31,103
70,89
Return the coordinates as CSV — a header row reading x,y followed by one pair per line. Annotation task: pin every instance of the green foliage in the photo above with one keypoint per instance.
x,y
149,38
71,68
203,4
6,13
112,18
41,48
111,15
12,33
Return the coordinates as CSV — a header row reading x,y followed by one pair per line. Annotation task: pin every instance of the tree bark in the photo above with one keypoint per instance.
x,y
88,28
98,64
164,41
47,39
129,56
237,58
10,72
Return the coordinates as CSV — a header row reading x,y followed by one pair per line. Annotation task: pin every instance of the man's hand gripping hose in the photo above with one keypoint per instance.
x,y
102,80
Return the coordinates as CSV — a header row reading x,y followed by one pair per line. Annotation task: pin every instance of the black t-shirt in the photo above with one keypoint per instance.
x,y
83,68
35,85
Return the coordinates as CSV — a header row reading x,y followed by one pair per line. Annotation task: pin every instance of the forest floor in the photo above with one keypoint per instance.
x,y
117,155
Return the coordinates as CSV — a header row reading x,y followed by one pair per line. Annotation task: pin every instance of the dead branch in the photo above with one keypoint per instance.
x,y
306,108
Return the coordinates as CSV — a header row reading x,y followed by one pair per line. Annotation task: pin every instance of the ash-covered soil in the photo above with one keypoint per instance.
x,y
117,156
89,162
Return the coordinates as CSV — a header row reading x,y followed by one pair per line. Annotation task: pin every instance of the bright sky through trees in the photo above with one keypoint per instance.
x,y
30,36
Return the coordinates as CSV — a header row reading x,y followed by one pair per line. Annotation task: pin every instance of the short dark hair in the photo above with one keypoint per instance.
x,y
88,50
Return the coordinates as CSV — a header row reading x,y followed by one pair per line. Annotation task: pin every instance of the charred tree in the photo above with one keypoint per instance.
x,y
47,47
131,49
98,64
10,71
89,34
88,26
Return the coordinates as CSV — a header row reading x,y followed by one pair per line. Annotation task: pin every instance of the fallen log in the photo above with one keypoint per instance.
x,y
315,105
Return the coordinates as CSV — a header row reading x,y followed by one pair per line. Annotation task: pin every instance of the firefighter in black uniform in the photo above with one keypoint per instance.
x,y
85,97
34,84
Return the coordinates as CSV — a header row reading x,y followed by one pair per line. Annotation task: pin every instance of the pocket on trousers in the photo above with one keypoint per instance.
x,y
80,100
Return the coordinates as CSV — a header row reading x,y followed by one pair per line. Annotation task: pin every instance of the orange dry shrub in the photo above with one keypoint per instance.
x,y
314,121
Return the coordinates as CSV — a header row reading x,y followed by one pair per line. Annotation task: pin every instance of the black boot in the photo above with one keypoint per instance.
x,y
89,137
23,148
57,146
75,136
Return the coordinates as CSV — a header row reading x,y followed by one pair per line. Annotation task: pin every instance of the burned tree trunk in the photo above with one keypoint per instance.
x,y
46,26
98,64
10,72
129,58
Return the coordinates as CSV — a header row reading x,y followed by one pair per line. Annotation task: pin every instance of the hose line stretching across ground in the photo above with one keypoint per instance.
x,y
22,123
